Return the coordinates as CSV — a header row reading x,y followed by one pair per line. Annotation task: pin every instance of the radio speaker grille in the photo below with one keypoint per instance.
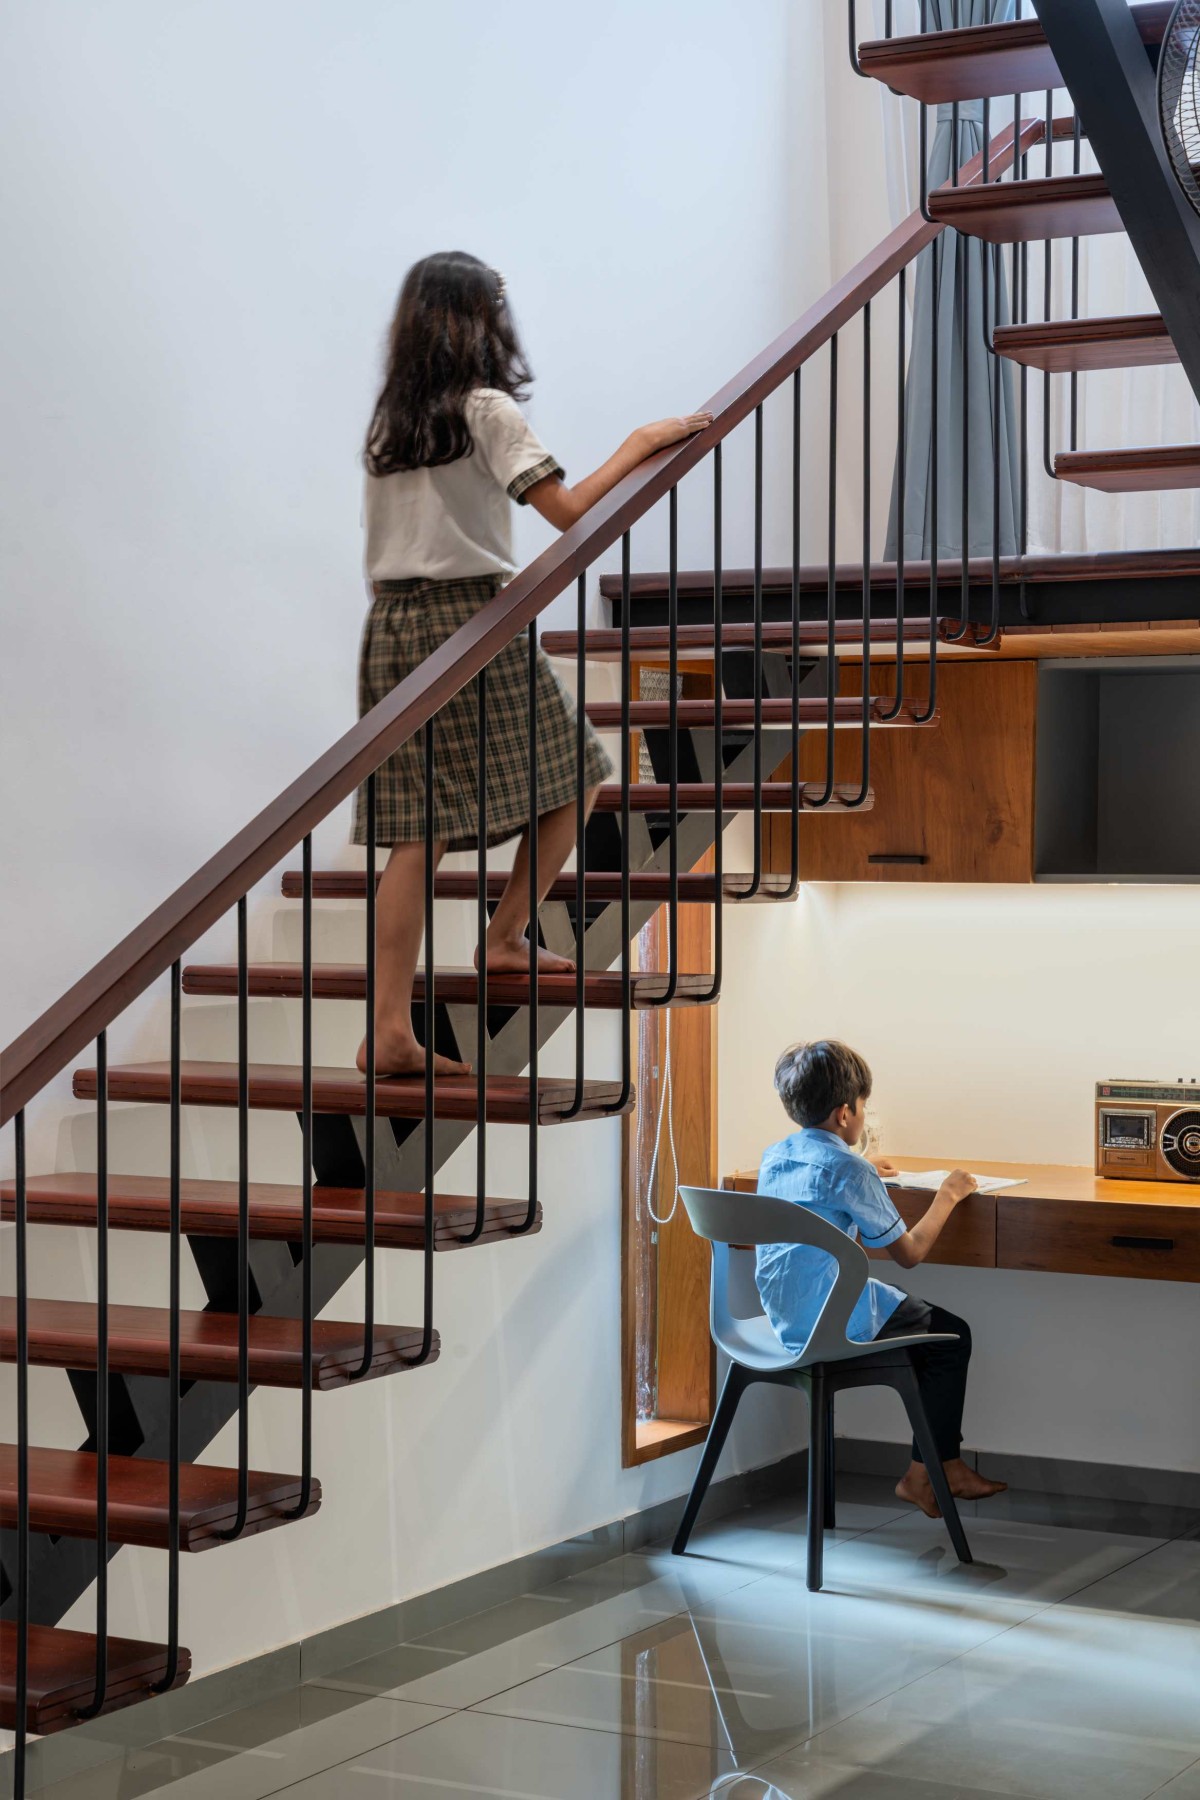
x,y
1181,1143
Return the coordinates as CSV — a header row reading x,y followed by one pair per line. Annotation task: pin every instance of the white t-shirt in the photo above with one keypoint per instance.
x,y
447,523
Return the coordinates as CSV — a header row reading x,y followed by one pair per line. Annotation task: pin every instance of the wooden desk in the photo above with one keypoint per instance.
x,y
1064,1220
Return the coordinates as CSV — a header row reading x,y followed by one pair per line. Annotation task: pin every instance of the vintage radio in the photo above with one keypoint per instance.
x,y
1148,1130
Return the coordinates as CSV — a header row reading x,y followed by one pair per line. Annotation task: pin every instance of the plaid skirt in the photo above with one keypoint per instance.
x,y
406,623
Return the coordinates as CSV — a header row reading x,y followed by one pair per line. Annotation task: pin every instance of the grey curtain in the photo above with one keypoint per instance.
x,y
955,255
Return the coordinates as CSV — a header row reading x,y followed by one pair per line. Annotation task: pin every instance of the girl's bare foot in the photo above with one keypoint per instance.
x,y
968,1484
398,1057
510,956
916,1489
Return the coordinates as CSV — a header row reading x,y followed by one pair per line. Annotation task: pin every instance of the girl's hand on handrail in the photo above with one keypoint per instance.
x,y
665,432
561,506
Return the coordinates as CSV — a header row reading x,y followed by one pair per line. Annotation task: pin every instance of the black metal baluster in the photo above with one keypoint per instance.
x,y
532,766
626,946
430,1171
368,1355
854,62
923,718
100,1692
894,711
1076,164
863,794
963,248
306,1178
714,990
673,747
21,1573
824,798
172,1669
576,1106
923,151
481,980
757,873
243,1238
793,886
1023,536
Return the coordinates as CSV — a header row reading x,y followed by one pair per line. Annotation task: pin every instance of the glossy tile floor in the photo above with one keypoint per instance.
x,y
1064,1664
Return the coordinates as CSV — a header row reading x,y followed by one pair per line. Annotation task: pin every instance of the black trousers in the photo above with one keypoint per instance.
x,y
941,1370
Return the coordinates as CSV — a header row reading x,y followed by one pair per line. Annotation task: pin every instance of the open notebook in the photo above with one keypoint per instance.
x,y
933,1178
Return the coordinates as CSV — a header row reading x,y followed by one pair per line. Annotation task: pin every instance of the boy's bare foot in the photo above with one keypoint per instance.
x,y
967,1483
510,956
916,1489
398,1058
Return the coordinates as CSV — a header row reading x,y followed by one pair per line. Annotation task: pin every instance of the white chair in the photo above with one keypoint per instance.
x,y
830,1361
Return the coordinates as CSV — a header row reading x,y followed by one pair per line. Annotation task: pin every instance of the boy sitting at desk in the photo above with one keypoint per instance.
x,y
825,1087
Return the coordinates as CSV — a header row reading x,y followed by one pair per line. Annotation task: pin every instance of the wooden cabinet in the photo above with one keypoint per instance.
x,y
956,797
1154,1243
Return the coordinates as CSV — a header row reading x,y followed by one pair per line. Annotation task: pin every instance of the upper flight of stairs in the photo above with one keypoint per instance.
x,y
1014,58
1073,346
1020,212
1151,468
984,62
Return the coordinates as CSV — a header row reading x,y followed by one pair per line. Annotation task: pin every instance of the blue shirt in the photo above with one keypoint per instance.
x,y
818,1170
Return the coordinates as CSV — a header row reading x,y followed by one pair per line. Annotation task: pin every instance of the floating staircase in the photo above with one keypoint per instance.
x,y
272,1258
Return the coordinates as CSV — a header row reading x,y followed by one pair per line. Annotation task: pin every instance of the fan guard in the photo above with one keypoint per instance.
x,y
1180,1143
1179,96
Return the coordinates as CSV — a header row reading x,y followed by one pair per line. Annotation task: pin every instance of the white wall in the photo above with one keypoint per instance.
x,y
988,1015
215,205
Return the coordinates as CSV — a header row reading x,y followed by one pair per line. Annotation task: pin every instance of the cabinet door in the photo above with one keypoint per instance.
x,y
953,800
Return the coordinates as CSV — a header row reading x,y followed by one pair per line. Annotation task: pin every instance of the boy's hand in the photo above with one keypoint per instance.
x,y
884,1166
665,432
959,1185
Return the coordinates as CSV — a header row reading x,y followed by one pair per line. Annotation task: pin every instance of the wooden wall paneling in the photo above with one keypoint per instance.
x,y
958,793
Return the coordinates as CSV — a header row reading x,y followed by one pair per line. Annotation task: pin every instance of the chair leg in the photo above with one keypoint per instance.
x,y
830,1466
918,1418
818,1429
736,1383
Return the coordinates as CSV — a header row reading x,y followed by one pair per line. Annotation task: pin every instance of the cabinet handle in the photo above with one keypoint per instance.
x,y
906,860
1142,1243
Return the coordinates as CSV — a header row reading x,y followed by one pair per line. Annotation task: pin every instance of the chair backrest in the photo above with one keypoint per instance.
x,y
729,1220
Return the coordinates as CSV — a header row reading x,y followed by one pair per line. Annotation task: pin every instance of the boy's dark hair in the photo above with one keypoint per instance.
x,y
451,332
813,1080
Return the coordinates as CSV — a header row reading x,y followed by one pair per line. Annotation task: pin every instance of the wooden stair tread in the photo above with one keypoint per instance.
x,y
604,644
210,1209
697,584
982,62
62,1335
739,715
62,1498
1150,468
1076,345
277,1087
62,1675
738,796
602,886
348,981
1013,212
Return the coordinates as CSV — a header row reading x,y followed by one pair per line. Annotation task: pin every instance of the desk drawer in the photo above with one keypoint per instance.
x,y
1155,1243
969,1239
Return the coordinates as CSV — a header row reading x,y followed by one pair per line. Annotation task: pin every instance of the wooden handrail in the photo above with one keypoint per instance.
x,y
63,1030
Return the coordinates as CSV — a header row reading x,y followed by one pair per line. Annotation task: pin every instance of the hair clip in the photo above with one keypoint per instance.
x,y
501,284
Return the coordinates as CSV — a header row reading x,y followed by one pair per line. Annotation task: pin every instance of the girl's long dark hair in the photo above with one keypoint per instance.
x,y
451,332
